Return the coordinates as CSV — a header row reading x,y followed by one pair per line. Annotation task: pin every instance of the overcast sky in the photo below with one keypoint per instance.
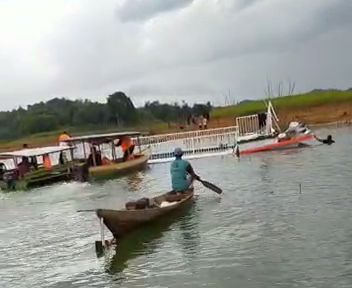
x,y
170,50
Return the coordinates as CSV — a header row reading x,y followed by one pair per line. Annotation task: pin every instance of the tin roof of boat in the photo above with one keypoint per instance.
x,y
107,136
35,151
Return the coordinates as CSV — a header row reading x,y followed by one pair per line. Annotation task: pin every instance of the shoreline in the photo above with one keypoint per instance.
x,y
335,123
337,114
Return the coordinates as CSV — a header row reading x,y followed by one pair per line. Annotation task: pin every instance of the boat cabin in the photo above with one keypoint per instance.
x,y
33,167
102,149
108,153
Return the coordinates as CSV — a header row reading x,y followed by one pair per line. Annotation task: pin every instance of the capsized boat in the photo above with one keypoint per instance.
x,y
296,135
35,167
135,214
100,158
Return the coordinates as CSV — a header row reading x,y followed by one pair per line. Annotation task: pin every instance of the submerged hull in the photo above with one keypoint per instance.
x,y
118,169
273,144
121,222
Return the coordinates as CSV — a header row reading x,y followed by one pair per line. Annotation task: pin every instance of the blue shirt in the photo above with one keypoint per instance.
x,y
179,173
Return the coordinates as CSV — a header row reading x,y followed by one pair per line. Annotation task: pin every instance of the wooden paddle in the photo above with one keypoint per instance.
x,y
211,186
87,210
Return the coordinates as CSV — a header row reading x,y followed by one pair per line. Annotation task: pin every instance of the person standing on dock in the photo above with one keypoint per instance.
x,y
182,173
205,123
64,137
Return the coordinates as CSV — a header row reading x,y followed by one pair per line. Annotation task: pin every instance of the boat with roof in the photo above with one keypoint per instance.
x,y
34,167
99,157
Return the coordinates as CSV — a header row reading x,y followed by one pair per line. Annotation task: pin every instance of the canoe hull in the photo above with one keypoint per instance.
x,y
118,169
121,222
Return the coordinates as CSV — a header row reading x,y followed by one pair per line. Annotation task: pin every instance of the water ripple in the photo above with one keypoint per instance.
x,y
260,233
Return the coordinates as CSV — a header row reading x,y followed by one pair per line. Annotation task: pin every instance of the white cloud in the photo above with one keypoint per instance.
x,y
170,50
138,10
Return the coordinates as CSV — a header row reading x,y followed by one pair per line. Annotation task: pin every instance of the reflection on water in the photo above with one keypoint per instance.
x,y
190,236
145,240
135,180
260,233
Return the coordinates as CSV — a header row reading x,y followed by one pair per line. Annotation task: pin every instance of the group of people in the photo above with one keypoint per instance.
x,y
28,163
201,121
31,162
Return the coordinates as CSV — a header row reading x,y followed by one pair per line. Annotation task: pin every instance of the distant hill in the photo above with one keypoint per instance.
x,y
78,115
328,90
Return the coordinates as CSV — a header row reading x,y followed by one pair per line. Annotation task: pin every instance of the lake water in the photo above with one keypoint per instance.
x,y
260,233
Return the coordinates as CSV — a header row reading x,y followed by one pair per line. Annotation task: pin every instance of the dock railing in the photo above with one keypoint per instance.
x,y
146,140
248,125
192,142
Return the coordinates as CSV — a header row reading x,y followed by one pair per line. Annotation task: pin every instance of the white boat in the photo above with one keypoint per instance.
x,y
267,139
296,135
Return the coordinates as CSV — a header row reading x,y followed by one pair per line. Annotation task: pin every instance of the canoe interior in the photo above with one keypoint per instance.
x,y
121,222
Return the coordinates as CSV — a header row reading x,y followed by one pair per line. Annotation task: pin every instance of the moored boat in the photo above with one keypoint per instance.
x,y
135,214
100,159
35,167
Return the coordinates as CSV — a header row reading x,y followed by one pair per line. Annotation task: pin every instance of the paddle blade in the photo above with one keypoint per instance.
x,y
211,186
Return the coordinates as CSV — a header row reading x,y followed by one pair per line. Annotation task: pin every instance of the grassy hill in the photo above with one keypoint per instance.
x,y
316,98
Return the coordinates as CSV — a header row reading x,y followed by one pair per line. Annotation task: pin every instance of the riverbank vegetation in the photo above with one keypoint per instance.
x,y
118,112
40,124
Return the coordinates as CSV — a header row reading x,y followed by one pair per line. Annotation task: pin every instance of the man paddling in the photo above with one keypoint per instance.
x,y
182,173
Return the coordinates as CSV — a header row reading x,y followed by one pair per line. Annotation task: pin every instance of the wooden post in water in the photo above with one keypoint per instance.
x,y
139,145
84,150
113,155
93,155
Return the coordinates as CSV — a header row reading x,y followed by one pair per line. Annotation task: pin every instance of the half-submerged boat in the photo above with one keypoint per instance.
x,y
145,210
99,158
296,135
35,167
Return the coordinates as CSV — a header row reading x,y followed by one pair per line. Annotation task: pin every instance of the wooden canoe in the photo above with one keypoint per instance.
x,y
121,222
120,168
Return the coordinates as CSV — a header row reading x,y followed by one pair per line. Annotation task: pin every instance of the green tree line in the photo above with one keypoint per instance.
x,y
118,111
